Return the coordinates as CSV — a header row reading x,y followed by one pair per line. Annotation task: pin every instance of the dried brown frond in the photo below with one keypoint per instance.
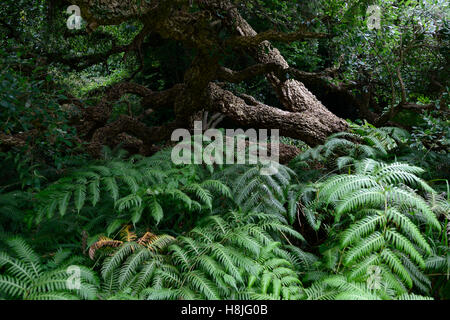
x,y
103,242
127,235
146,238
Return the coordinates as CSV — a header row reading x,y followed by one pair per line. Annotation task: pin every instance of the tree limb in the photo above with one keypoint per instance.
x,y
271,35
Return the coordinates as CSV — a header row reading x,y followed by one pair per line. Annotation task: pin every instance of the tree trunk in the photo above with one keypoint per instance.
x,y
304,116
292,93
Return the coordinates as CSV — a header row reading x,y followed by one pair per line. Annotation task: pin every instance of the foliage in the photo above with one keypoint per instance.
x,y
342,149
229,256
365,215
27,105
26,277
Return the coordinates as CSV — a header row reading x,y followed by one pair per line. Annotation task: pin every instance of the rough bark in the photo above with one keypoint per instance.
x,y
292,93
300,125
147,137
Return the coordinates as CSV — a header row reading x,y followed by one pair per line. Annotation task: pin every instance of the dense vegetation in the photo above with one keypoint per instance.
x,y
359,207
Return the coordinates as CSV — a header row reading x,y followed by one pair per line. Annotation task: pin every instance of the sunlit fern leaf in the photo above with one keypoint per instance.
x,y
412,296
420,280
114,261
200,282
52,296
12,286
26,278
396,266
145,275
160,294
371,197
26,254
404,245
320,291
350,290
360,271
408,199
340,185
409,228
159,242
132,263
362,228
363,247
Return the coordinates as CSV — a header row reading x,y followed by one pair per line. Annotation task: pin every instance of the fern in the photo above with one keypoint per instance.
x,y
27,278
385,233
344,148
133,187
223,255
